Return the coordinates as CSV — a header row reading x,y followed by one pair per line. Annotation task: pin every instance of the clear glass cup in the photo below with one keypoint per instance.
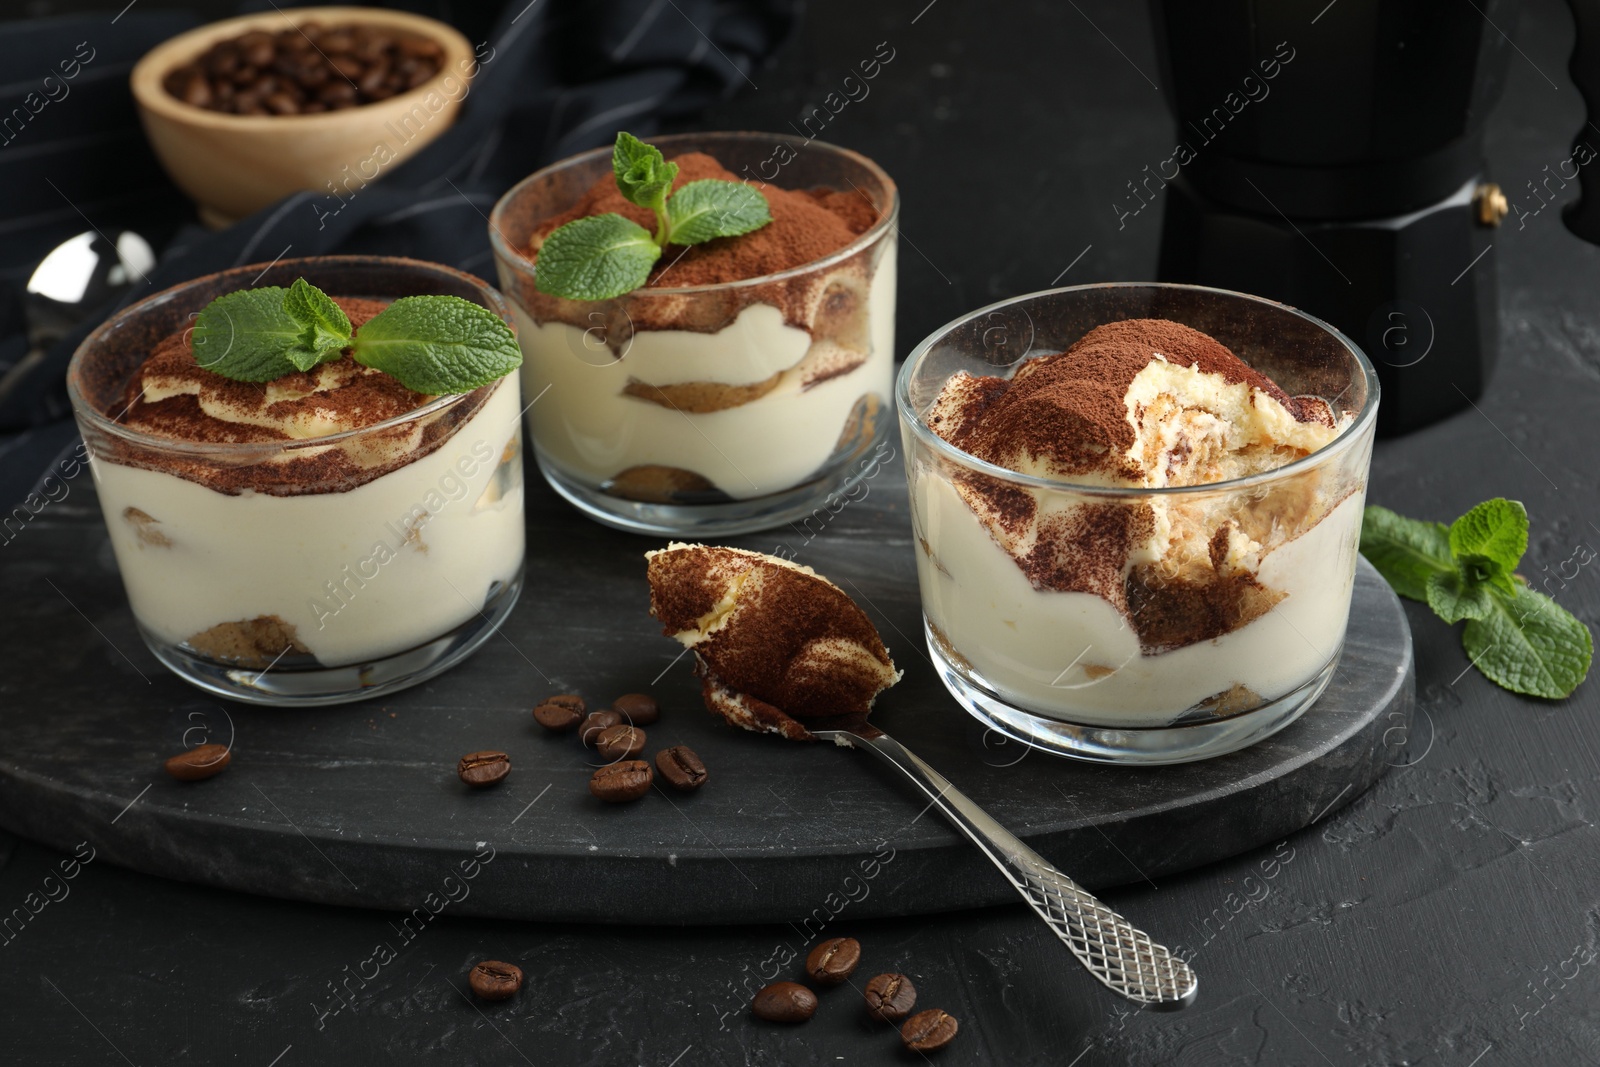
x,y
1069,672
707,410
263,572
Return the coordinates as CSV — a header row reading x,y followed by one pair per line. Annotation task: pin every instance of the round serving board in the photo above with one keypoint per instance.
x,y
361,805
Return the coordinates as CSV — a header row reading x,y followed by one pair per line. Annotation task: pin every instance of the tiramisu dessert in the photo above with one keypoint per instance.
x,y
779,648
313,518
741,365
1134,608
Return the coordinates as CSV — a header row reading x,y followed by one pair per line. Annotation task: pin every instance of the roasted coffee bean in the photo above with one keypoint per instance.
x,y
196,91
681,768
347,67
621,741
279,73
928,1031
372,78
337,94
494,980
785,1002
595,724
890,997
484,768
834,960
617,783
199,762
640,709
561,712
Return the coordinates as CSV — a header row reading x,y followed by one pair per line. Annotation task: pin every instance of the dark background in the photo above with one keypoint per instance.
x,y
1450,917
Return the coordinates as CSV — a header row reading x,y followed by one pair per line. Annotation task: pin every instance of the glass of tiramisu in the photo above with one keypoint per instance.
x,y
746,381
1137,510
320,537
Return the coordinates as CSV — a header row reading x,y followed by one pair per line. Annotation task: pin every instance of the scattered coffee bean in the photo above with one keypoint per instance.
x,y
640,709
928,1031
890,997
681,768
286,73
199,762
560,712
617,783
494,980
785,1002
620,741
597,722
483,768
834,960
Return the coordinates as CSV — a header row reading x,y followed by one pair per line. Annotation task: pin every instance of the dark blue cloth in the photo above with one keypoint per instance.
x,y
555,77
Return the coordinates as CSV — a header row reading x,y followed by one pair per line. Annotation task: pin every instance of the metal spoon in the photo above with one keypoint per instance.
x,y
1121,956
79,275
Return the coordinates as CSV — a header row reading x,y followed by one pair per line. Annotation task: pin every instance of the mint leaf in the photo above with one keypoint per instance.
x,y
1407,552
246,335
1490,540
712,208
643,174
595,258
438,344
1530,644
1454,596
325,328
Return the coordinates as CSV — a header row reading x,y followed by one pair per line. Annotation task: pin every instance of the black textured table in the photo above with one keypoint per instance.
x,y
1449,917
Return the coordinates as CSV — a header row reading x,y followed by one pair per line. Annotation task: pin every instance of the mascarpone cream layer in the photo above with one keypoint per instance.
x,y
592,430
358,575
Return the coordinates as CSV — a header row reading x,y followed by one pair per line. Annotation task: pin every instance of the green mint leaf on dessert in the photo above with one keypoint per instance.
x,y
438,344
710,208
596,258
643,174
325,329
1520,639
1491,539
604,256
1530,644
247,335
431,344
1454,596
1405,551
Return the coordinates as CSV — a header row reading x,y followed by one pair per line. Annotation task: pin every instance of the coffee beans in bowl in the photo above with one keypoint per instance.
x,y
928,1031
618,783
305,70
495,980
199,763
833,960
681,768
479,769
559,713
784,1002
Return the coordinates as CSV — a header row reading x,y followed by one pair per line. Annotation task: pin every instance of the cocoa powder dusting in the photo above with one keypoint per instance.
x,y
359,397
778,650
806,226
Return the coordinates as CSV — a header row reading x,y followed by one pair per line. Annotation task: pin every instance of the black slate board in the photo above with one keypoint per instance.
x,y
360,805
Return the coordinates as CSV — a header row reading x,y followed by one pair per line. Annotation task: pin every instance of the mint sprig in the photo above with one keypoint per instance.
x,y
431,344
603,256
1519,638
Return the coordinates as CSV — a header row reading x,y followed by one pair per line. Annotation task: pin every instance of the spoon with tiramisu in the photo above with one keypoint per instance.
x,y
780,649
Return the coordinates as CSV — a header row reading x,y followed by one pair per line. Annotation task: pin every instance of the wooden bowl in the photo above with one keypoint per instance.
x,y
235,165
